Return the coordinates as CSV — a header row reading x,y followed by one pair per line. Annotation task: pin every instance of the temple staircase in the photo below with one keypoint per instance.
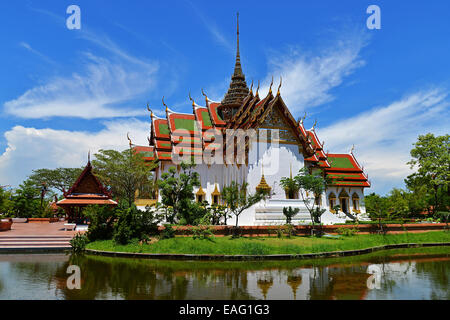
x,y
34,243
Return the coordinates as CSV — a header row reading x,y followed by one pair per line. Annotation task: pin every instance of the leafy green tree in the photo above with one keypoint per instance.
x,y
397,204
26,200
290,186
134,223
177,193
431,158
314,184
60,179
6,203
123,173
237,200
101,218
289,213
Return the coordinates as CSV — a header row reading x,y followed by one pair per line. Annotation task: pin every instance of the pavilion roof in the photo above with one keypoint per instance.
x,y
86,190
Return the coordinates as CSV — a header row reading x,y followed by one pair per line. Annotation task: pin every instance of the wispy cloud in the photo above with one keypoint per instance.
x,y
309,77
38,53
92,94
212,28
384,135
99,90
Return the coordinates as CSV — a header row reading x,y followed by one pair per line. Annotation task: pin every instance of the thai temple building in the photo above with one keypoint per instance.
x,y
273,145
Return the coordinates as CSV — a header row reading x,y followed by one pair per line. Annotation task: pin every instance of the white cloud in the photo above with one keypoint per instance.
x,y
36,52
88,96
30,148
308,78
384,135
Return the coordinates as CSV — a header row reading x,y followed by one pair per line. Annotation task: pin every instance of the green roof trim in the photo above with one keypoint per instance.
x,y
341,163
206,119
147,154
186,124
163,128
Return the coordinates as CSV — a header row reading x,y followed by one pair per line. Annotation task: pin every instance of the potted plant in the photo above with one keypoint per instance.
x,y
291,187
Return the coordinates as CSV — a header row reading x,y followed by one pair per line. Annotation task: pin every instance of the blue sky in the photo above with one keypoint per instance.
x,y
64,92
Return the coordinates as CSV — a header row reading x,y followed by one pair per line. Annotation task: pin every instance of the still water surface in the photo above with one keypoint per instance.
x,y
402,274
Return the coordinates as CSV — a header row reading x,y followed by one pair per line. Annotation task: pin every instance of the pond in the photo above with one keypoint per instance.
x,y
398,274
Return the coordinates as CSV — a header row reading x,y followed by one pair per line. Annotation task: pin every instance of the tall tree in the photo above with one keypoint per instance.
x,y
177,193
431,159
123,172
312,186
237,200
60,179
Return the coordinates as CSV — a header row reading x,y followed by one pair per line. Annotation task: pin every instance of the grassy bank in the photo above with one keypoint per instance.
x,y
264,246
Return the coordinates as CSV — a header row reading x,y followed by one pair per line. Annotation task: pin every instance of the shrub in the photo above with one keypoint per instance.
x,y
79,243
168,232
348,232
287,230
134,223
202,232
101,225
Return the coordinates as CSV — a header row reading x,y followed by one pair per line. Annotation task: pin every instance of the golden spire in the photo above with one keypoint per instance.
x,y
263,186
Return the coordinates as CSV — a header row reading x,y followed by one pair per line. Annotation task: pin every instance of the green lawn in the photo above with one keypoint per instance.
x,y
264,246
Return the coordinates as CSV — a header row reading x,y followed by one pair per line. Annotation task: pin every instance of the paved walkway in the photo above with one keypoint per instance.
x,y
35,237
37,229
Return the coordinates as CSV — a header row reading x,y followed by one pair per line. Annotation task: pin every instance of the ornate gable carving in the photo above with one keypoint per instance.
x,y
275,120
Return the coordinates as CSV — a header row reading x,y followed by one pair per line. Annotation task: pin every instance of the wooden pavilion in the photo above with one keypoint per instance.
x,y
87,190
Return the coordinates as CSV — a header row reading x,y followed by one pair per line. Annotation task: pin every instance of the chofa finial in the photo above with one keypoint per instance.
x,y
150,110
270,88
128,137
279,87
314,125
257,89
164,104
353,148
251,87
190,98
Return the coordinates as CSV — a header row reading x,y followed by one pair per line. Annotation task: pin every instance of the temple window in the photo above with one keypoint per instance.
x,y
332,202
343,199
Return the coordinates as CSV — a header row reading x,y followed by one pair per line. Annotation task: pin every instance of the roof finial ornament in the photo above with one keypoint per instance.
x,y
301,120
257,89
353,148
89,156
279,87
204,94
314,125
190,98
149,141
270,88
128,137
251,87
150,110
164,104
